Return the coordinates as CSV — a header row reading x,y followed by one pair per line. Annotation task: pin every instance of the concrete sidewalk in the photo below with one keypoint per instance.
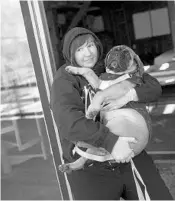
x,y
35,179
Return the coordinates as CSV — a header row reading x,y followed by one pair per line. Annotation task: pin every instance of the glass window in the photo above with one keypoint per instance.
x,y
142,25
160,22
151,23
23,131
18,82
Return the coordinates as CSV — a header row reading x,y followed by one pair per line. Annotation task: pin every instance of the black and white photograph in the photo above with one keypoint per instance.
x,y
87,100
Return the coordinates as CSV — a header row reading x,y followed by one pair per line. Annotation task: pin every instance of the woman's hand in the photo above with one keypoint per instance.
x,y
122,152
140,146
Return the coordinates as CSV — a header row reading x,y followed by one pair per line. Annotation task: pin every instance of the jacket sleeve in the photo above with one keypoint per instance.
x,y
68,111
150,90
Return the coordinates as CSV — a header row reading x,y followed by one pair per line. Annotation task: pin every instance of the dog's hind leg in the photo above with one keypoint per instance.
x,y
69,167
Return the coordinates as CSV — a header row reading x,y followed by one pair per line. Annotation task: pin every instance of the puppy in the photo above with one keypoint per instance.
x,y
122,116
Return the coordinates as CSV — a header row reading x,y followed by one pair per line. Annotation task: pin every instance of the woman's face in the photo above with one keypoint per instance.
x,y
87,54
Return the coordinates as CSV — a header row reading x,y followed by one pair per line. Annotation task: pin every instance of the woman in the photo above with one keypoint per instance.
x,y
105,180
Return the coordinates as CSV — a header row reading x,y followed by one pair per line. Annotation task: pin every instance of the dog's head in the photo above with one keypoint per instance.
x,y
121,59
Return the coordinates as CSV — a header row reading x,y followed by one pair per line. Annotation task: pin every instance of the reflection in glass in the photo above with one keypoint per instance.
x,y
19,94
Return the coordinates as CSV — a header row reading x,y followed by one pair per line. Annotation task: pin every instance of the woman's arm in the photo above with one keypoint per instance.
x,y
150,90
119,94
68,110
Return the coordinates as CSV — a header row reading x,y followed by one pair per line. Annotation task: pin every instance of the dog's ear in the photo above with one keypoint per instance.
x,y
140,66
107,56
137,60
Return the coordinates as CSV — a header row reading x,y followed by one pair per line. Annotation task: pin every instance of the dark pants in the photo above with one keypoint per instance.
x,y
105,181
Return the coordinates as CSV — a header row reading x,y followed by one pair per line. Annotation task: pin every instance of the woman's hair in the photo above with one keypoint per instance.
x,y
78,42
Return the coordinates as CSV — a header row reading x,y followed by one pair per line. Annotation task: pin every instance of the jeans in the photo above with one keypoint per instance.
x,y
112,181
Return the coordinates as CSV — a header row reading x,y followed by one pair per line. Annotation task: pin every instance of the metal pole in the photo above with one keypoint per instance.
x,y
171,11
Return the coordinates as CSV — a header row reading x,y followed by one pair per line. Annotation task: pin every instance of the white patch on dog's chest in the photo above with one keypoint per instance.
x,y
104,85
107,83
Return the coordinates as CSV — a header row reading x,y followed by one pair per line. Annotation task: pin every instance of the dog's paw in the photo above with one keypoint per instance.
x,y
91,114
74,70
65,168
71,70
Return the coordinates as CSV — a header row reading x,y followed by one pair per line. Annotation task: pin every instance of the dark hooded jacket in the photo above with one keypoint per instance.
x,y
67,104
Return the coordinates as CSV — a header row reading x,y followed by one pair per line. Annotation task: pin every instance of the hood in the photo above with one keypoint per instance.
x,y
71,35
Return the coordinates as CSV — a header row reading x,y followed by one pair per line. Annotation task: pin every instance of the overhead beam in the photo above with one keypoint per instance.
x,y
82,11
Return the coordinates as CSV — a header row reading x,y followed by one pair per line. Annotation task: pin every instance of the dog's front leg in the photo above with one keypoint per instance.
x,y
76,70
87,73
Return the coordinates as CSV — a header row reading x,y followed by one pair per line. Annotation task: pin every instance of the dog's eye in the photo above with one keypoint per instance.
x,y
114,64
